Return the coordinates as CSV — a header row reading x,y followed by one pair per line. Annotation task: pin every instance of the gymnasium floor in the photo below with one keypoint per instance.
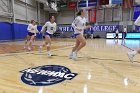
x,y
102,67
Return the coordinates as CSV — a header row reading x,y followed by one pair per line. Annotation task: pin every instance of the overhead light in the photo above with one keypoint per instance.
x,y
47,3
53,5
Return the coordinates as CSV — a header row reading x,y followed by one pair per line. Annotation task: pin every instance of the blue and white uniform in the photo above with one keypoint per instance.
x,y
32,29
79,23
51,28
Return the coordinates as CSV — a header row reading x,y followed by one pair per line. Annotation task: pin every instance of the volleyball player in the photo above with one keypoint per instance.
x,y
133,53
79,25
124,32
43,38
32,30
116,34
51,29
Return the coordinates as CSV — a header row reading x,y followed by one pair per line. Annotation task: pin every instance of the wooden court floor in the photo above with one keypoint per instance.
x,y
102,67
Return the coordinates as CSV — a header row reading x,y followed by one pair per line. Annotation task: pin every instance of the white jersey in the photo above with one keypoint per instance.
x,y
51,27
117,31
137,22
125,30
79,23
32,28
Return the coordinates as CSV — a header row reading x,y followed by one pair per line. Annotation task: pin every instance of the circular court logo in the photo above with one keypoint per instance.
x,y
46,75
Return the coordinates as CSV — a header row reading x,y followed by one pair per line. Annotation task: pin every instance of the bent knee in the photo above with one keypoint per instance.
x,y
83,43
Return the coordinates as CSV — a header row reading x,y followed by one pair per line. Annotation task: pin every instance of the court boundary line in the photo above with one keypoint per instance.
x,y
111,70
58,49
32,52
88,57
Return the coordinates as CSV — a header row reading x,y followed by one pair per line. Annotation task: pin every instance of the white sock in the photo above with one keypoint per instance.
x,y
49,52
71,53
134,52
75,52
40,47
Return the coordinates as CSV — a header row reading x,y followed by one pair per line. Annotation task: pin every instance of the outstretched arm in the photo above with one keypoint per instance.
x,y
44,28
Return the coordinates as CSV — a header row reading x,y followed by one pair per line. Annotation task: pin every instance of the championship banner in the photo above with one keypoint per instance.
x,y
136,12
116,1
127,4
82,4
72,4
92,3
103,2
108,14
100,15
92,15
117,14
89,3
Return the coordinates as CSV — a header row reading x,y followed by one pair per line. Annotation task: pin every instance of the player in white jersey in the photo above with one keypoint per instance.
x,y
116,34
32,30
51,29
79,25
133,53
124,32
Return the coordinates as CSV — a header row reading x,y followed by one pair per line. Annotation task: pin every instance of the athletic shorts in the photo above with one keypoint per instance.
x,y
43,37
31,34
47,34
77,34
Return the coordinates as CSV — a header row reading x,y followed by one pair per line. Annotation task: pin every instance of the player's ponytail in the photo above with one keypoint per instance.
x,y
79,12
32,21
50,17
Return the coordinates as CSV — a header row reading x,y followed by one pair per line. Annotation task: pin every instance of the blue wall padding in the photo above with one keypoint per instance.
x,y
5,31
14,31
39,36
20,31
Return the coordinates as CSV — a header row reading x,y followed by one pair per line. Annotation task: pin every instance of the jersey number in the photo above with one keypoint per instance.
x,y
52,28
